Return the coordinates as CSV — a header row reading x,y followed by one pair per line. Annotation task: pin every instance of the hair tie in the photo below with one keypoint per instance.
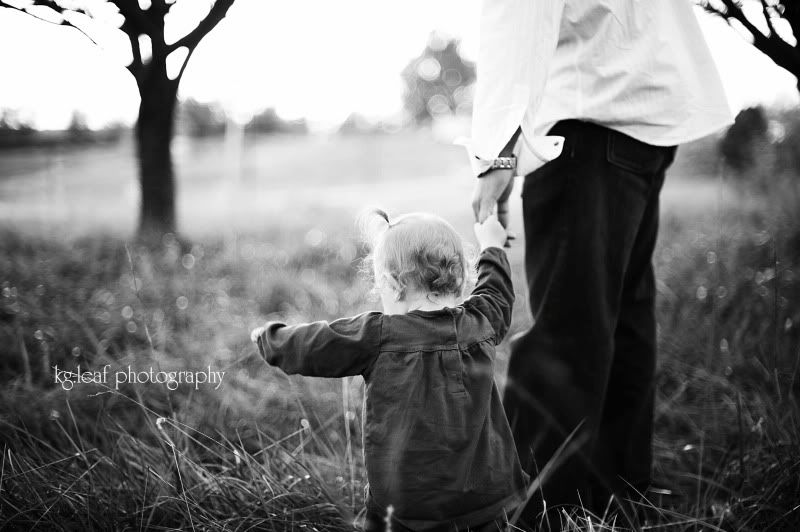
x,y
371,223
382,214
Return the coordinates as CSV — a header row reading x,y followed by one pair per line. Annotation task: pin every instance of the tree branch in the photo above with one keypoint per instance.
x,y
735,12
214,16
790,12
782,53
177,79
709,8
60,11
768,17
160,6
136,65
134,16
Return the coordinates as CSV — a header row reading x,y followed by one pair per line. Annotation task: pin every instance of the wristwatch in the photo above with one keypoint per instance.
x,y
506,160
505,163
502,163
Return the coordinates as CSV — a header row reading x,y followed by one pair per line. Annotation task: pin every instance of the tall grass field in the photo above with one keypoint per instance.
x,y
266,232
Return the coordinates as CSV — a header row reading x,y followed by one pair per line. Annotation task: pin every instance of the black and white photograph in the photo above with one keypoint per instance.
x,y
435,266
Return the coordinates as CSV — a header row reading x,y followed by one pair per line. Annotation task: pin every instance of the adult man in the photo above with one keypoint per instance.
x,y
624,82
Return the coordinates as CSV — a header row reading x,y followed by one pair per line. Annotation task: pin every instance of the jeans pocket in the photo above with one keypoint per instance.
x,y
634,155
546,183
637,164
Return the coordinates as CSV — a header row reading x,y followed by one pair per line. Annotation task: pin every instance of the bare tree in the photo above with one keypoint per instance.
x,y
778,46
142,22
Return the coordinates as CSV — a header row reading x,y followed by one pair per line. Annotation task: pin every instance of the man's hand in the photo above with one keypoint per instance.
x,y
488,190
503,213
490,233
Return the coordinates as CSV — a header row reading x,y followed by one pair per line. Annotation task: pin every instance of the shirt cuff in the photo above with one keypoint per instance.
x,y
531,154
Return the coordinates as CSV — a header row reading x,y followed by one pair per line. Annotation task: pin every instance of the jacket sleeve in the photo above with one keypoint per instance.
x,y
339,348
493,295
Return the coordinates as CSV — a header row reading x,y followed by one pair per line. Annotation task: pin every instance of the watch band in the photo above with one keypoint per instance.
x,y
502,163
507,163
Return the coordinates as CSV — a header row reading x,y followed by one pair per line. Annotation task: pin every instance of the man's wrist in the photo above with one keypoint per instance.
x,y
505,160
492,171
502,163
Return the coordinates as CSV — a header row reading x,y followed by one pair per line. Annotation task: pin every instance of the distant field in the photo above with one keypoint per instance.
x,y
284,180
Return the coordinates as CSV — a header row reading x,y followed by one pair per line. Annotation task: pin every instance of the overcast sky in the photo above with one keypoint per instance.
x,y
313,58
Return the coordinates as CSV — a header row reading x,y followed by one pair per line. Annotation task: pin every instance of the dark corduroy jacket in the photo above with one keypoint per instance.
x,y
437,444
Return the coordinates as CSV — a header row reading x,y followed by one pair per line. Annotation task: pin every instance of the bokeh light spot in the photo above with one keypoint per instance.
x,y
188,261
438,104
314,237
429,69
308,276
452,77
702,292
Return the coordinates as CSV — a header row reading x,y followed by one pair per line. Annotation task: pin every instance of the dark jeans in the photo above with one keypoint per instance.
x,y
591,220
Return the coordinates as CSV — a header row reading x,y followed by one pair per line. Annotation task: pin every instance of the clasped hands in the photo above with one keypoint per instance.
x,y
491,195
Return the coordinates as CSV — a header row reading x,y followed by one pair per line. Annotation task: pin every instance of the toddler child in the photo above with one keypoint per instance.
x,y
437,444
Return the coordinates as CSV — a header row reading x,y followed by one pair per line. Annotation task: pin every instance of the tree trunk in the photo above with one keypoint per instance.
x,y
154,129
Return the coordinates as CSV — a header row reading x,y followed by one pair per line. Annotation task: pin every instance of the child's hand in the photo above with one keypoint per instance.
x,y
502,217
256,334
490,233
503,212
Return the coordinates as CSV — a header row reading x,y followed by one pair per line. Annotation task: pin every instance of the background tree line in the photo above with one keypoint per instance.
x,y
193,118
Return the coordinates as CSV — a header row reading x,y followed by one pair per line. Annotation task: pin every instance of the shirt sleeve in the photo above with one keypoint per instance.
x,y
517,41
493,295
340,348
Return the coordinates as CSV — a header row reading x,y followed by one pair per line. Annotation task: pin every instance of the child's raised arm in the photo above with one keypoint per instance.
x,y
339,348
493,295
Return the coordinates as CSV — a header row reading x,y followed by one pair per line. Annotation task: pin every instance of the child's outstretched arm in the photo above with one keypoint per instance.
x,y
493,295
339,348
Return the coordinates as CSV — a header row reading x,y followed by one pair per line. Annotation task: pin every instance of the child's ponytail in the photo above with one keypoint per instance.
x,y
371,224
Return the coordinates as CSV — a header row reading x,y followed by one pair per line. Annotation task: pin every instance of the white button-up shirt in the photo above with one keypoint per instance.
x,y
641,67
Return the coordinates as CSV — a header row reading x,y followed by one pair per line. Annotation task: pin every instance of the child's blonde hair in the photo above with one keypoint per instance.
x,y
420,251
